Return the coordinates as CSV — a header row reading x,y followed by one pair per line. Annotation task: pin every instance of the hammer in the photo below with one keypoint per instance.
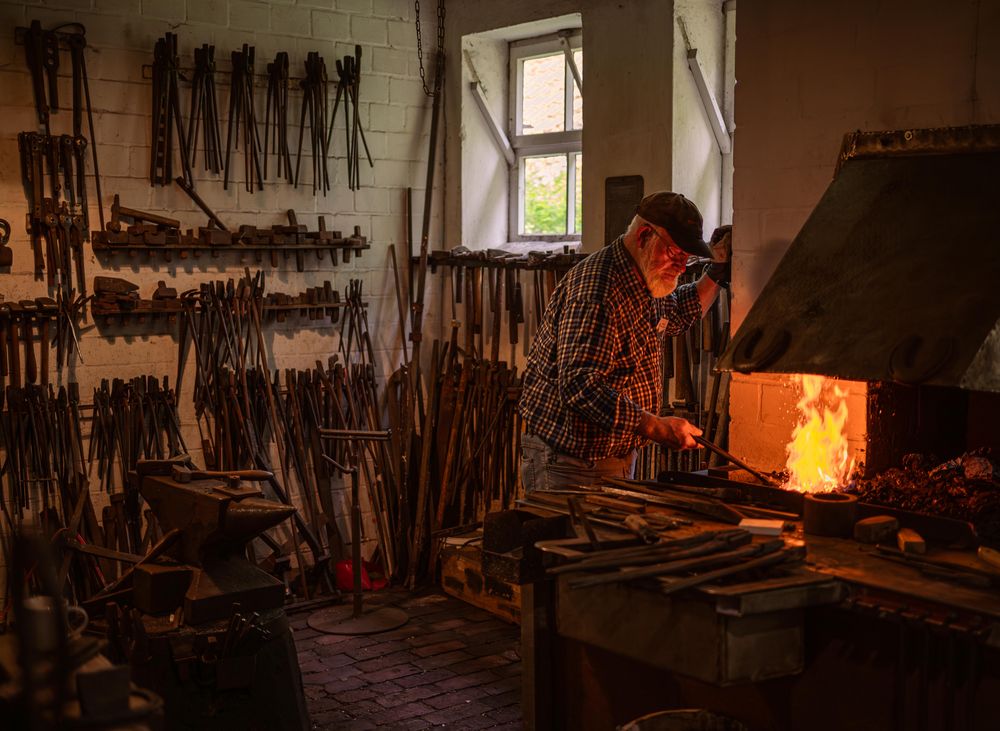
x,y
4,322
28,309
12,310
47,309
118,210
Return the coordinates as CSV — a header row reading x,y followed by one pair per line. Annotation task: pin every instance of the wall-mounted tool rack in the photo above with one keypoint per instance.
x,y
151,240
42,320
117,302
497,259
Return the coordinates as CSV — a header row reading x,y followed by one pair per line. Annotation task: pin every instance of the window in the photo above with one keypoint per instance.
x,y
546,123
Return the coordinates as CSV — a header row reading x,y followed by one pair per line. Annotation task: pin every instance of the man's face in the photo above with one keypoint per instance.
x,y
661,261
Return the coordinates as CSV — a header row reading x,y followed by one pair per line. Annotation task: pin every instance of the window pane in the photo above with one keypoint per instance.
x,y
578,222
543,95
577,96
545,195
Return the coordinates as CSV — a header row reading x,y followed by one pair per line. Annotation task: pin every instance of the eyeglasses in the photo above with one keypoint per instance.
x,y
675,252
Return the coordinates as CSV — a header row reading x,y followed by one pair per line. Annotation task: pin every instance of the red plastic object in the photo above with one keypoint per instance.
x,y
345,576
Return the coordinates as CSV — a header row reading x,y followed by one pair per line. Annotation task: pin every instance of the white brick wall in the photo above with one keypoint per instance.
x,y
121,34
807,74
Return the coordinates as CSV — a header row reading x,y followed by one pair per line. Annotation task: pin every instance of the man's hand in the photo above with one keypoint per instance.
x,y
670,431
721,243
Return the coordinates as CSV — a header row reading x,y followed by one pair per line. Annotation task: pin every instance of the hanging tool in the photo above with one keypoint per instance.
x,y
276,117
349,73
81,91
314,108
36,48
241,114
193,195
204,112
167,119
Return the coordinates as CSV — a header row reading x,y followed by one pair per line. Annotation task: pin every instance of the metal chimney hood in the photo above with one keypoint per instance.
x,y
895,276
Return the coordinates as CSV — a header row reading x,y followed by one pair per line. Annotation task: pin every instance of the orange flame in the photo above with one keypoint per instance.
x,y
817,454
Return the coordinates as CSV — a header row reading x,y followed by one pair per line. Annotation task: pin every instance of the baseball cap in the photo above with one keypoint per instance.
x,y
679,216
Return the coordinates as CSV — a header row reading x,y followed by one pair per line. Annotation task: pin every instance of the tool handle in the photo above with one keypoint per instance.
x,y
30,367
251,475
729,457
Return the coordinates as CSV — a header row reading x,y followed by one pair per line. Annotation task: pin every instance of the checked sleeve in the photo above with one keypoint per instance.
x,y
586,359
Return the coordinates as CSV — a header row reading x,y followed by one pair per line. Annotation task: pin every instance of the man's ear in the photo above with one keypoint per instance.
x,y
644,233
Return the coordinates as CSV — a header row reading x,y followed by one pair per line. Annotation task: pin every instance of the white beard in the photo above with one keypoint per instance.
x,y
660,285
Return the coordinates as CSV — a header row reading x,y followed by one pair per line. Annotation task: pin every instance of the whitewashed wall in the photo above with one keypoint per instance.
x,y
121,35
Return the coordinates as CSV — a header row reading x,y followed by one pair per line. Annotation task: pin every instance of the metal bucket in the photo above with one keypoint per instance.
x,y
683,720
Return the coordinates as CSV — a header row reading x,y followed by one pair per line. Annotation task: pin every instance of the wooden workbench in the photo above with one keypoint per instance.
x,y
846,641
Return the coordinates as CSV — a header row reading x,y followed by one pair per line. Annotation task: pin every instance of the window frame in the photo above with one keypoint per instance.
x,y
568,142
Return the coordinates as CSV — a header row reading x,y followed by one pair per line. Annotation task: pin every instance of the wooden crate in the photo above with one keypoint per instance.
x,y
462,577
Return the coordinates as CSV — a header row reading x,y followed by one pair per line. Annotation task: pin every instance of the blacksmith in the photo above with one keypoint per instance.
x,y
592,385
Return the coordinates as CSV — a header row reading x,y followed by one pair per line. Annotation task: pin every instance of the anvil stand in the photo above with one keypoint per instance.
x,y
355,619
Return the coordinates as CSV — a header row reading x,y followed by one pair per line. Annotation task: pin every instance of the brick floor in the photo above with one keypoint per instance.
x,y
451,666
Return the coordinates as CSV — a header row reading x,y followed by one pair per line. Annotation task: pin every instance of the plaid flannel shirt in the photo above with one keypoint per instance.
x,y
594,365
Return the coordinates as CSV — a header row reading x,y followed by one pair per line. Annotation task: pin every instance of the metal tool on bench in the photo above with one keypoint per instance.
x,y
735,460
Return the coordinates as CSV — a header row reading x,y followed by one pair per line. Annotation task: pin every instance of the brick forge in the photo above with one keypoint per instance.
x,y
451,665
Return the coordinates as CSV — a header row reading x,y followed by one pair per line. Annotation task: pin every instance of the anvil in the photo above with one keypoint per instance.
x,y
217,514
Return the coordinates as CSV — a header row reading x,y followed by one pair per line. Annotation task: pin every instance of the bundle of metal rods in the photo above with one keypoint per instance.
x,y
276,117
43,461
690,561
314,109
242,407
470,429
204,112
43,475
242,114
349,89
132,420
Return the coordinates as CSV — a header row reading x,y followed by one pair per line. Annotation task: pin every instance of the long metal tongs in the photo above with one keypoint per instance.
x,y
167,119
314,106
735,460
276,117
204,112
241,112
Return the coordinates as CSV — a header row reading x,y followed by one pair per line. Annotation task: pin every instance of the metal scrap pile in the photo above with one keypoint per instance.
x,y
966,488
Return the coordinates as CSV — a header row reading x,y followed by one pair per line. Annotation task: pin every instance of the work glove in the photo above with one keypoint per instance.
x,y
721,243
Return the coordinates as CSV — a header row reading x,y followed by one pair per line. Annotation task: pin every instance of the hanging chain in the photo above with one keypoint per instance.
x,y
439,67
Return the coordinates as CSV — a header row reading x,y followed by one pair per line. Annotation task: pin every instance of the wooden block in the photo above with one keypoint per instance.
x,y
763,526
876,529
909,541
